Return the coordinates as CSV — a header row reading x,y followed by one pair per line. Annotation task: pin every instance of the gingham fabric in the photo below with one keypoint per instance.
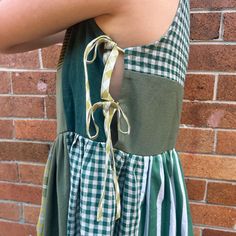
x,y
87,171
154,198
113,192
167,57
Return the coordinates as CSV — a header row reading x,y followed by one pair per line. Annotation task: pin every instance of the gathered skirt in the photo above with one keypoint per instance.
x,y
154,198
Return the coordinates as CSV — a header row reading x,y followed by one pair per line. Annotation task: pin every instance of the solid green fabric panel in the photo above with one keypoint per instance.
x,y
166,202
153,106
182,196
155,185
73,80
58,190
142,217
61,119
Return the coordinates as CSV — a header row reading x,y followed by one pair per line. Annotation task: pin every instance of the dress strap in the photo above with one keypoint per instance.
x,y
109,106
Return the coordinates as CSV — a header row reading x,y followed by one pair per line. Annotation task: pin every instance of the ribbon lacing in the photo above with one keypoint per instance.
x,y
109,106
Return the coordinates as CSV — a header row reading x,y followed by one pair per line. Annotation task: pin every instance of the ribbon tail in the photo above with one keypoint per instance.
x,y
117,189
120,111
116,183
91,110
100,205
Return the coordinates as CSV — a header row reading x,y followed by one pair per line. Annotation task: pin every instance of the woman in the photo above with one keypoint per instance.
x,y
122,68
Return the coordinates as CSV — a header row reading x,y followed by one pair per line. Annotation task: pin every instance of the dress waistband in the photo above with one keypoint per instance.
x,y
109,106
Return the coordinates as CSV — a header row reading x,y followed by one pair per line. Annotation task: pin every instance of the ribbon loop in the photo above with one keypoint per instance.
x,y
109,106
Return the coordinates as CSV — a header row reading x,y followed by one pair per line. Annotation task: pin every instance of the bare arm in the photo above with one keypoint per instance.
x,y
38,43
24,23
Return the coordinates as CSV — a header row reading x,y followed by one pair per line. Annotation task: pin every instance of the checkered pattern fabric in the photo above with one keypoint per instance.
x,y
167,57
87,160
153,193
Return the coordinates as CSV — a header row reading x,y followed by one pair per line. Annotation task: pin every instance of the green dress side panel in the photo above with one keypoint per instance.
x,y
61,119
58,188
73,80
153,106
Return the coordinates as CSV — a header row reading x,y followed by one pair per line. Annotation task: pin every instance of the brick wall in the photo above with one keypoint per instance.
x,y
27,129
206,140
207,135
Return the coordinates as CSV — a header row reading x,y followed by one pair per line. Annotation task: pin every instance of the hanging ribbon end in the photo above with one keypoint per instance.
x,y
99,214
118,211
118,205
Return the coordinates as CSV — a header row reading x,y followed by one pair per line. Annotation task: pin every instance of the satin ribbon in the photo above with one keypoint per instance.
x,y
109,106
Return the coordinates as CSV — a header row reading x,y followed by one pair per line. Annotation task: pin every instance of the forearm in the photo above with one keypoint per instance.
x,y
35,44
26,21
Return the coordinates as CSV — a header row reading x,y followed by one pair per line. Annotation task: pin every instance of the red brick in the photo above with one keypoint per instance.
x,y
50,56
21,106
22,151
213,5
204,26
207,166
199,87
20,60
21,193
8,171
226,87
5,86
229,26
6,129
34,82
44,130
31,214
212,232
195,140
213,215
10,211
16,229
217,58
209,114
226,142
51,107
221,193
196,189
31,173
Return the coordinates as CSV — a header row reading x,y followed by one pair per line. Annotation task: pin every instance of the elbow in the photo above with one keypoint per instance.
x,y
6,43
5,49
10,49
3,45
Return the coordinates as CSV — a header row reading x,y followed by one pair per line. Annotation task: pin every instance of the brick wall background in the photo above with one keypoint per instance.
x,y
206,140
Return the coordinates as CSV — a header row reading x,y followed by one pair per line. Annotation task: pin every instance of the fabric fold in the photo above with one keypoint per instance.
x,y
56,188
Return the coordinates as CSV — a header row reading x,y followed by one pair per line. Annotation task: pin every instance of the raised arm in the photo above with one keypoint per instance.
x,y
26,25
37,43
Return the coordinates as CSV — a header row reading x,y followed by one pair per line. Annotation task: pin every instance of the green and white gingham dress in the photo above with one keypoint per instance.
x,y
113,168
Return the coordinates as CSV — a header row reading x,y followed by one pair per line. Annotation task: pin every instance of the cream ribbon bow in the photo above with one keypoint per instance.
x,y
109,106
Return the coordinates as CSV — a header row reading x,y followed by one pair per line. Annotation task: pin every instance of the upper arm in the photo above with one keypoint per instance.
x,y
31,20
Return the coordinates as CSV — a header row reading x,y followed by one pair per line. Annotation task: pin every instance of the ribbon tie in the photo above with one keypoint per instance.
x,y
109,106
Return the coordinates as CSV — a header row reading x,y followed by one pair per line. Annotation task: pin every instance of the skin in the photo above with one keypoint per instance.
x,y
129,23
